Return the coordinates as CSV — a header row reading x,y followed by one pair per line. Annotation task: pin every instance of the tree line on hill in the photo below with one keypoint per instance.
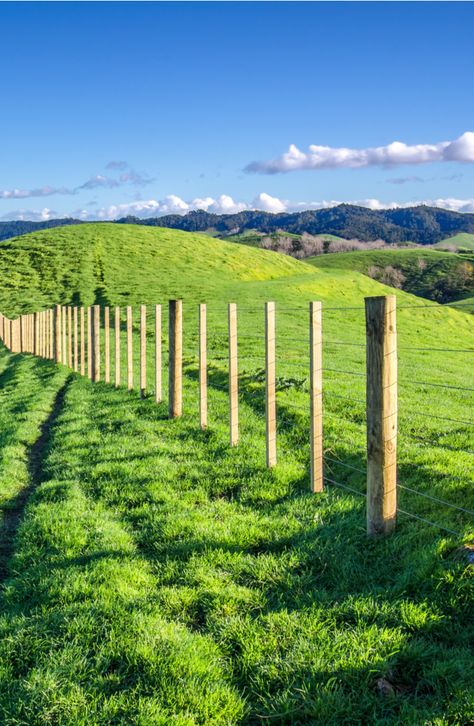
x,y
424,225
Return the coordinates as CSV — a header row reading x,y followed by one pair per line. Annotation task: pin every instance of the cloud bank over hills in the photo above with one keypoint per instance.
x,y
224,204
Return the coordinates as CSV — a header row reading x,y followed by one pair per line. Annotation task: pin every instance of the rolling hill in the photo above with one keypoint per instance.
x,y
461,241
153,575
428,273
421,224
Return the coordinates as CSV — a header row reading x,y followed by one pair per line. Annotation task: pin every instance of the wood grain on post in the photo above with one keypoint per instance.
x,y
270,384
316,396
117,347
107,344
89,342
76,346
158,383
142,351
69,336
203,366
129,348
96,344
175,364
82,364
57,334
381,352
233,375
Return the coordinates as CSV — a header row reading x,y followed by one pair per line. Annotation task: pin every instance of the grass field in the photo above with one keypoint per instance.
x,y
153,575
423,268
462,241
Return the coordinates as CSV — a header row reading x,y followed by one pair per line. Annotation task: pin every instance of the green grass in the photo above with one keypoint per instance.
x,y
463,241
160,577
422,268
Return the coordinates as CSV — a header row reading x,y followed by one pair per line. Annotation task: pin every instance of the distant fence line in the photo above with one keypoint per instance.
x,y
72,336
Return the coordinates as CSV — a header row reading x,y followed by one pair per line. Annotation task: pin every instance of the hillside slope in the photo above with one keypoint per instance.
x,y
154,575
428,273
461,241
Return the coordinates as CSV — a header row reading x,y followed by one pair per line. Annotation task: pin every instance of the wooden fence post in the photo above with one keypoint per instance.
x,y
64,326
233,375
203,365
175,365
89,342
37,347
57,334
76,346
39,341
51,333
96,344
107,343
142,351
117,347
69,336
82,349
381,351
316,396
270,384
158,385
129,348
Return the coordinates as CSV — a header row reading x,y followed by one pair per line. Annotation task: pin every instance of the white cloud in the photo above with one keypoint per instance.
x,y
33,215
128,176
224,204
45,191
394,154
269,204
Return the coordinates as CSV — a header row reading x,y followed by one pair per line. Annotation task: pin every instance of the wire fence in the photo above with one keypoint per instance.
x,y
253,369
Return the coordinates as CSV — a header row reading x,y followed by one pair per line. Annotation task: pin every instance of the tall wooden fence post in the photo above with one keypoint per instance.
x,y
233,375
64,334
270,384
96,343
117,347
69,336
89,342
107,343
37,347
57,334
51,333
175,365
142,351
203,365
76,346
82,365
316,396
158,385
381,336
129,349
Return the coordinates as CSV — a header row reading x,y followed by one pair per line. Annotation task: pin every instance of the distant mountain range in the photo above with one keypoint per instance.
x,y
424,225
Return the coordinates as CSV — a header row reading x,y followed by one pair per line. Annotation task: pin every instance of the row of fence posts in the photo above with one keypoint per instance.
x,y
61,334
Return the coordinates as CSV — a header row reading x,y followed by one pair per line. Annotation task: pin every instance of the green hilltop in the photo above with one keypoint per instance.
x,y
426,272
461,241
153,575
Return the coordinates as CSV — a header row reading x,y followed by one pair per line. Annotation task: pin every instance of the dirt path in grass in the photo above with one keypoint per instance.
x,y
13,514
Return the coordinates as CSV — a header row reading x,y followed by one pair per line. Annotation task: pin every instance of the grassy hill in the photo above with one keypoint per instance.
x,y
423,269
461,241
153,575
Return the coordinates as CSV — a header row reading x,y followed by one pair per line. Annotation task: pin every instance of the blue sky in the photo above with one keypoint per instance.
x,y
144,108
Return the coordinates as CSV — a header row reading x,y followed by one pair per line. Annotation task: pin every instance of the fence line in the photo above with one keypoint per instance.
x,y
70,335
